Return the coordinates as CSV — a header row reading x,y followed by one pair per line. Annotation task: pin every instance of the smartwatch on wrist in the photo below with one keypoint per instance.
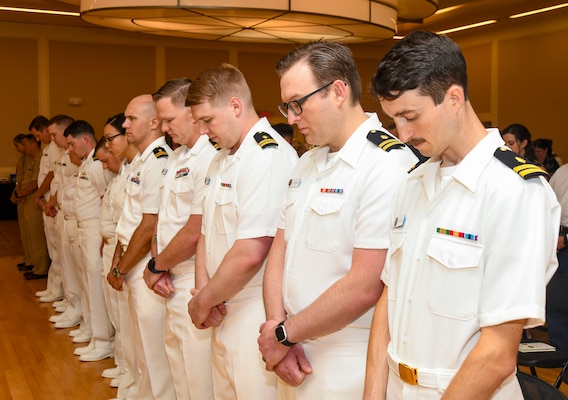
x,y
116,272
282,336
152,266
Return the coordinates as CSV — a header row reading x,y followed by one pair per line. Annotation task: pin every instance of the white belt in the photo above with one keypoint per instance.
x,y
88,223
431,378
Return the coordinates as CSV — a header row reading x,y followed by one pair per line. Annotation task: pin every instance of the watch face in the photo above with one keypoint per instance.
x,y
115,272
280,333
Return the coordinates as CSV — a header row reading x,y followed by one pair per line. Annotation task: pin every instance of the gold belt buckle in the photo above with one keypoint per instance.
x,y
408,374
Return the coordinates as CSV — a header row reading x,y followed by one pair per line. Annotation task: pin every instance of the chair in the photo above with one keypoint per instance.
x,y
542,359
534,388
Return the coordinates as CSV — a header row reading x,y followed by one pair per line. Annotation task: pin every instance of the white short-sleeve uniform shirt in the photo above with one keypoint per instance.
x,y
245,194
142,188
474,252
183,188
335,203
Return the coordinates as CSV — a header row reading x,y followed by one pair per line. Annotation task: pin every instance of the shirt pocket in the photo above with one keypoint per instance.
x,y
323,222
455,281
225,212
182,193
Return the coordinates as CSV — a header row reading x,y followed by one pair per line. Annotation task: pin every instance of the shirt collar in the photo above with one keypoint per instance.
x,y
351,151
470,168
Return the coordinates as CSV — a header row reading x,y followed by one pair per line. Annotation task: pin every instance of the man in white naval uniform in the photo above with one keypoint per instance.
x,y
63,205
52,153
323,272
90,186
135,229
457,294
171,273
246,188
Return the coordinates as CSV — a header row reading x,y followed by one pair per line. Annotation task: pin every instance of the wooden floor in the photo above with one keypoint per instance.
x,y
36,360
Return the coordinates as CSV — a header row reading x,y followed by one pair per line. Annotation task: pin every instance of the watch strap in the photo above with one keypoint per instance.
x,y
152,266
117,272
284,339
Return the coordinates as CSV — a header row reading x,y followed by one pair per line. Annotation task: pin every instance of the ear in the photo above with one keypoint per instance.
x,y
236,106
456,96
154,123
339,91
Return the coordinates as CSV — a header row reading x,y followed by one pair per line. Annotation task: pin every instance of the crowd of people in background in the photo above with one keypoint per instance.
x,y
214,256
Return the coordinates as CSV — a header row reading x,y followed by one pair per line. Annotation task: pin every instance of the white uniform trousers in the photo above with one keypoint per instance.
x,y
338,361
130,379
188,348
147,313
117,306
111,296
238,369
54,276
90,242
71,266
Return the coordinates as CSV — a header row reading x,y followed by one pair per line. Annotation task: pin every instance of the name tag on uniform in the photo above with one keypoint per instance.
x,y
294,183
399,222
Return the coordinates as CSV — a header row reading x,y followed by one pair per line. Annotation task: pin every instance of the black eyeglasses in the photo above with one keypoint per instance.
x,y
108,139
295,106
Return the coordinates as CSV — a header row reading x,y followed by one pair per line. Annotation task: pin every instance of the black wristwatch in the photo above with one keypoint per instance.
x,y
152,266
282,336
116,272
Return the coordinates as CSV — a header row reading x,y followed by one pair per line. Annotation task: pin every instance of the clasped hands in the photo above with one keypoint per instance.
x,y
203,316
289,363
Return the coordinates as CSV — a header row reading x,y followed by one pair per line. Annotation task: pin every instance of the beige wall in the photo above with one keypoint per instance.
x,y
516,75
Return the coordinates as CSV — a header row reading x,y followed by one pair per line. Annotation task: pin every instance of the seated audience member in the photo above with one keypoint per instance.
x,y
517,137
545,156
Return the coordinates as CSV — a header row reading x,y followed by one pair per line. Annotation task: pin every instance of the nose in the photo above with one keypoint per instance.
x,y
292,118
203,130
405,133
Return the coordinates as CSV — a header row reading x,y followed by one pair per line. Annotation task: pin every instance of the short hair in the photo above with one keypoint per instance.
x,y
328,61
19,137
38,123
80,128
116,122
284,130
425,61
176,89
30,137
217,84
61,120
100,145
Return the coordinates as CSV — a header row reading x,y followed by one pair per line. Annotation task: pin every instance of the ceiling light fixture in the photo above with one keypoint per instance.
x,y
38,11
463,28
274,21
540,10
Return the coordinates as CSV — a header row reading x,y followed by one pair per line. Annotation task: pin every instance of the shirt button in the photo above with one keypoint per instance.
x,y
410,298
404,339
